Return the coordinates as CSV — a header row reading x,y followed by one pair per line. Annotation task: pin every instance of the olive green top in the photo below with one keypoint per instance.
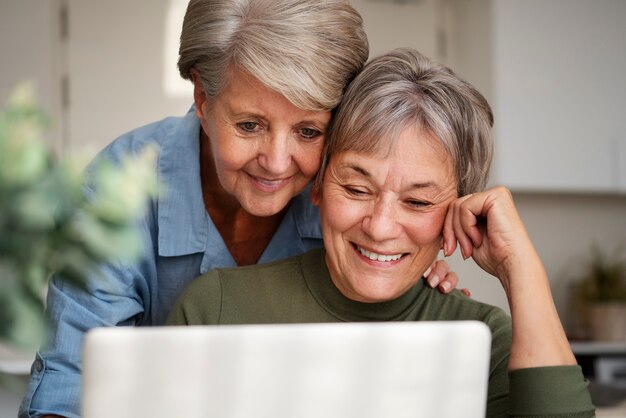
x,y
300,290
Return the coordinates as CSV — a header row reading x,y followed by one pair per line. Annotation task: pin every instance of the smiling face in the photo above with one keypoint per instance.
x,y
263,150
382,215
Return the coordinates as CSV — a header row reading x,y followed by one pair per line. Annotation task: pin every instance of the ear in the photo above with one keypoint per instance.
x,y
199,95
316,195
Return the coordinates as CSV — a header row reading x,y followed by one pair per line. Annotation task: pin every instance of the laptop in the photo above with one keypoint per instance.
x,y
330,370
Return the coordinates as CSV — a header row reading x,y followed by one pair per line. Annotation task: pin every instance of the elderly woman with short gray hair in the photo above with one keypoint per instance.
x,y
405,165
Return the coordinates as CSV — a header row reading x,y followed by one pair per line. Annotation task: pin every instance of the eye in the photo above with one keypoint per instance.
x,y
309,133
417,204
248,126
356,191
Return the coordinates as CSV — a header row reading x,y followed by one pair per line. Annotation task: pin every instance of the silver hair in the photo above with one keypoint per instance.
x,y
404,88
306,50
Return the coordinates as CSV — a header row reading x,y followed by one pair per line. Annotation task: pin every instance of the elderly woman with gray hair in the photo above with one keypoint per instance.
x,y
405,165
237,168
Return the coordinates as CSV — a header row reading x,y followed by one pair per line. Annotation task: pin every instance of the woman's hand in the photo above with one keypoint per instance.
x,y
439,275
489,229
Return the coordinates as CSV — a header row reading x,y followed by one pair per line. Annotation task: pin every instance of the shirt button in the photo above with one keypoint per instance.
x,y
38,366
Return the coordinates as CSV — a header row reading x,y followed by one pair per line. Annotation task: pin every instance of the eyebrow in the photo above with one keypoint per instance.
x,y
422,185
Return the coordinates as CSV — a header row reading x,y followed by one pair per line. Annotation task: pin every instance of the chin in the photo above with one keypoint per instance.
x,y
264,209
261,213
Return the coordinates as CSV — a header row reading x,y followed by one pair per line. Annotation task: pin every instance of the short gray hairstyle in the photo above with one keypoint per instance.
x,y
306,50
404,88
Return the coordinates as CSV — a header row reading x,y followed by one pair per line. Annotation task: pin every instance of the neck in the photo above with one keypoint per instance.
x,y
246,236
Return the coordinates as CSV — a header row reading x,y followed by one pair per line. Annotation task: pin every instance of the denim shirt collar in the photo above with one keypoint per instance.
x,y
184,225
182,218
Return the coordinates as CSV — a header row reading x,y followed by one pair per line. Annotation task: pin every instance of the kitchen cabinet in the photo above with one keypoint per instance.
x,y
554,73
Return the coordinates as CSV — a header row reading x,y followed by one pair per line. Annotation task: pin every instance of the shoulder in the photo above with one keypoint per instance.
x,y
241,294
153,134
456,306
261,275
246,278
198,303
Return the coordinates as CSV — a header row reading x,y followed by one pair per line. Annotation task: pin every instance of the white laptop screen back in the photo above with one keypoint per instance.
x,y
342,370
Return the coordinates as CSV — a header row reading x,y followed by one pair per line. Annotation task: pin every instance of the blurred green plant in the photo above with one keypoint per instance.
x,y
48,224
605,278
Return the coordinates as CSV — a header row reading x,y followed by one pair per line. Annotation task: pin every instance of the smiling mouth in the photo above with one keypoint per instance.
x,y
379,257
268,184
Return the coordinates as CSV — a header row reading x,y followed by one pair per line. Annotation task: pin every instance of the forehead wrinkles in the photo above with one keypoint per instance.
x,y
382,172
244,94
415,161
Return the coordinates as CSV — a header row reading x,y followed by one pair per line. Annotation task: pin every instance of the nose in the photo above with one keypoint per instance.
x,y
382,222
275,155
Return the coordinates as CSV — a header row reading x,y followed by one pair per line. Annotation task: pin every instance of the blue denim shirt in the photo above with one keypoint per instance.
x,y
181,243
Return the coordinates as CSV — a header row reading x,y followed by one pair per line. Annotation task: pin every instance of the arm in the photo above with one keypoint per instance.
x,y
489,229
113,297
543,379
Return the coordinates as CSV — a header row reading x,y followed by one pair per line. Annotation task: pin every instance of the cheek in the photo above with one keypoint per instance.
x,y
229,152
340,214
308,157
427,228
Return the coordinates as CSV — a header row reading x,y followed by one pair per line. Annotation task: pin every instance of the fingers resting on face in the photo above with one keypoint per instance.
x,y
462,225
486,226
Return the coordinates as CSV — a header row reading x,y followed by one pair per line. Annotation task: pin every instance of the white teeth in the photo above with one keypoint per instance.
x,y
269,183
379,257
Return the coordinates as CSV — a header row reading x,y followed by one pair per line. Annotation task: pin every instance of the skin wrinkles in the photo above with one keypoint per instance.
x,y
257,152
389,203
427,193
251,122
263,150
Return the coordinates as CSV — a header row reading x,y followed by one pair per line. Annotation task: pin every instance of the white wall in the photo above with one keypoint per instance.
x,y
401,24
553,73
118,64
28,33
558,84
